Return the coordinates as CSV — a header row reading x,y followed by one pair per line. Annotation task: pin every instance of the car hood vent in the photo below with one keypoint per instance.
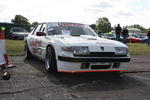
x,y
89,37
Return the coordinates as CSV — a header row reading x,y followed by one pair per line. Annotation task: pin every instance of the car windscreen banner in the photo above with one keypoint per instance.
x,y
65,24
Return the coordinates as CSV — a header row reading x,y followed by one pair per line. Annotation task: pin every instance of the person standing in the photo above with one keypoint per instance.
x,y
125,35
148,35
118,32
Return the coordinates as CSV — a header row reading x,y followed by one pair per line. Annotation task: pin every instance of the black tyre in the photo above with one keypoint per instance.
x,y
27,53
50,60
6,75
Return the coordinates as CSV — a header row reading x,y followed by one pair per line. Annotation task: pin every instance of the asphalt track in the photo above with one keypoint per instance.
x,y
30,81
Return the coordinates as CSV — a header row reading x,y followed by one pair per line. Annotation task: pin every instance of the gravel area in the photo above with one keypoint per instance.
x,y
30,81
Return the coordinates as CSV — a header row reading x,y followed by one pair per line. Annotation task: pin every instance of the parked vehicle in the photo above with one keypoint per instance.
x,y
111,36
134,39
18,33
144,39
73,47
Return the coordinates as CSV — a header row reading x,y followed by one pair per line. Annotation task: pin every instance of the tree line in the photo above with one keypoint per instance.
x,y
102,25
24,22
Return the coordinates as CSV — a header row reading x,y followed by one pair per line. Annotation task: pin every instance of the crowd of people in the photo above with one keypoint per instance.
x,y
122,32
125,34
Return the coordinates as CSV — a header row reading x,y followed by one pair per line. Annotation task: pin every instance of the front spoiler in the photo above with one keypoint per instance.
x,y
93,59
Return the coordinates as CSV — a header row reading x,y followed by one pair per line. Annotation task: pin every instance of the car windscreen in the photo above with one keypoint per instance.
x,y
70,30
19,30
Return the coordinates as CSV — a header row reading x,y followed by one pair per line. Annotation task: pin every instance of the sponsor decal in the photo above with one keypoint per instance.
x,y
37,50
50,29
50,25
65,32
70,24
35,43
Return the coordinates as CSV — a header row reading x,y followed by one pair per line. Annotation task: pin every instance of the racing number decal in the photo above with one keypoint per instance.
x,y
37,50
35,44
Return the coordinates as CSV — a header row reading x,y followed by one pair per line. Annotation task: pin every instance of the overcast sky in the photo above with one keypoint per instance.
x,y
125,12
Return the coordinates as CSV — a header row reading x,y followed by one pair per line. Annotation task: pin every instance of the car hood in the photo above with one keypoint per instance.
x,y
87,40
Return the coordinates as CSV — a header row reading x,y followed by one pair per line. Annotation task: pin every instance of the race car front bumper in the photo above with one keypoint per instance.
x,y
91,64
94,59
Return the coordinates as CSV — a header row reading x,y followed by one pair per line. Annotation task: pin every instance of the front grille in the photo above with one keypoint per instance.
x,y
100,66
101,54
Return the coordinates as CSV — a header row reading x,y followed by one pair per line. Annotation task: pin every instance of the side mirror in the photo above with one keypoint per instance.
x,y
40,34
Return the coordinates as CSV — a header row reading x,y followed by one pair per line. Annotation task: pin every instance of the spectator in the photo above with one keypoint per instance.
x,y
148,34
125,35
118,32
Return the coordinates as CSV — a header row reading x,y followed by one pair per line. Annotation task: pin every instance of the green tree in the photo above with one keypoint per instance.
x,y
22,21
34,24
103,25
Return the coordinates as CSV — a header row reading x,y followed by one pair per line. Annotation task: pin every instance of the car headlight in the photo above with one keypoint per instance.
x,y
80,50
121,51
77,50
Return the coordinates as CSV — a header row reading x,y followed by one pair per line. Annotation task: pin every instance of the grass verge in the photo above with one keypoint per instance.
x,y
139,49
16,48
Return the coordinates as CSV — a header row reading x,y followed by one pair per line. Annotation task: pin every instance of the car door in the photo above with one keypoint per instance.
x,y
30,40
34,41
41,42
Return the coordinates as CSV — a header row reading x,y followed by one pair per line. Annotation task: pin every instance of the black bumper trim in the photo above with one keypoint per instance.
x,y
102,59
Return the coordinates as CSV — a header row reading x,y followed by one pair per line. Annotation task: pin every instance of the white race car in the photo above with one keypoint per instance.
x,y
73,47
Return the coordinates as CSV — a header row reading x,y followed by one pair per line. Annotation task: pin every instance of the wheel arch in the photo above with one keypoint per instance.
x,y
26,43
50,45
